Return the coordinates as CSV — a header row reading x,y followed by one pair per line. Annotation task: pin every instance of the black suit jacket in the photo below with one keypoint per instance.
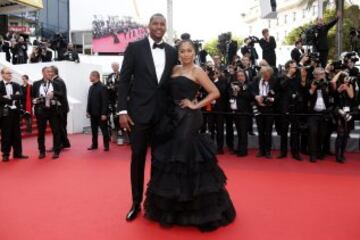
x,y
221,104
322,43
296,55
5,101
98,100
268,49
139,91
63,100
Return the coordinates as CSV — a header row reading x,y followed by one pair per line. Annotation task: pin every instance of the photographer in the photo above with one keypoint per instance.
x,y
249,49
263,92
230,76
112,85
297,52
71,54
10,101
216,121
240,102
290,101
321,43
344,95
268,45
59,44
19,51
320,101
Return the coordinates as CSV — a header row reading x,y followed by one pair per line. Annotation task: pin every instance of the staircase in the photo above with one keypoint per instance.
x,y
34,131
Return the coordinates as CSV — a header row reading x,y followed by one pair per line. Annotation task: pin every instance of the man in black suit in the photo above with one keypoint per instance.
x,y
47,97
289,102
297,52
240,102
64,109
146,68
10,101
321,44
216,121
97,111
268,45
263,92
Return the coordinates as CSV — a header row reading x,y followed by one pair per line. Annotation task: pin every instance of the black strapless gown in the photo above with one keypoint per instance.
x,y
187,187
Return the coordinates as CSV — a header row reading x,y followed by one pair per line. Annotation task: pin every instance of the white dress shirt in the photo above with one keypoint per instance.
x,y
158,56
9,89
263,88
320,103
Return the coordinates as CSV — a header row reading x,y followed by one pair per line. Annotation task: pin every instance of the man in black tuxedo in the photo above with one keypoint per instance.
x,y
47,97
146,68
268,45
297,52
64,109
10,101
97,111
321,44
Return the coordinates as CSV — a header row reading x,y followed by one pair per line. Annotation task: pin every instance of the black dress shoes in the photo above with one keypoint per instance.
x,y
55,156
297,157
5,158
260,154
282,155
134,211
268,155
21,157
312,159
42,155
92,147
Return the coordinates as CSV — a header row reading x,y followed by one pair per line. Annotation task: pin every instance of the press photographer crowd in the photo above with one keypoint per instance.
x,y
15,47
307,99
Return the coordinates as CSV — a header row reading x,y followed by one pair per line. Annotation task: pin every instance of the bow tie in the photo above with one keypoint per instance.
x,y
8,83
158,45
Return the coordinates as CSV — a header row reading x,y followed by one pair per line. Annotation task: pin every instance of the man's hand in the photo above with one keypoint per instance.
x,y
260,99
126,122
88,115
103,117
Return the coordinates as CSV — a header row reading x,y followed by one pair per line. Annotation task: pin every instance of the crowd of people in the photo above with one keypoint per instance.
x,y
301,96
114,26
16,49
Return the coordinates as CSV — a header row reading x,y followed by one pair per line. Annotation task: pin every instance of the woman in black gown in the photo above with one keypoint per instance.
x,y
187,187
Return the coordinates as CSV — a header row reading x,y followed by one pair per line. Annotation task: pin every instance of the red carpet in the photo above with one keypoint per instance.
x,y
85,196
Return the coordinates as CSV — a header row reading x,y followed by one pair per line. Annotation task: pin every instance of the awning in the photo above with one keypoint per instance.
x,y
31,3
16,6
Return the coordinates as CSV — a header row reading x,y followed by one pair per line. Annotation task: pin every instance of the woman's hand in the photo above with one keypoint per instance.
x,y
186,103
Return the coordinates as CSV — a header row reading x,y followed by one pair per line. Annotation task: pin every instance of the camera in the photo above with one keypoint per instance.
x,y
320,83
352,56
253,40
344,114
338,65
345,78
255,110
270,98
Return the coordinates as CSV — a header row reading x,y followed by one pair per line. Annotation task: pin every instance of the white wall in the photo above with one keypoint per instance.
x,y
76,77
